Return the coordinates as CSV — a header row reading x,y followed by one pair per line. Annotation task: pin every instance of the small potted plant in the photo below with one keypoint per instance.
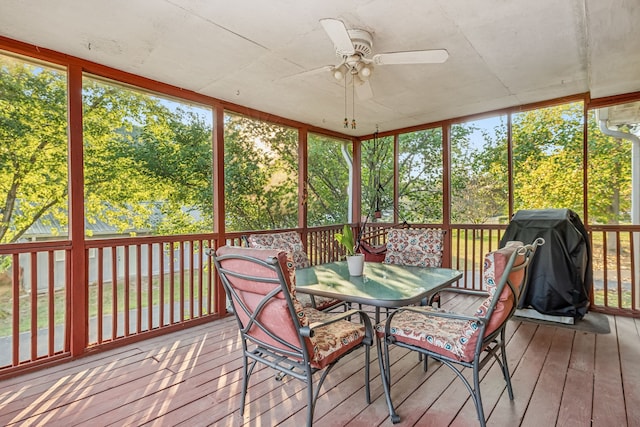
x,y
355,261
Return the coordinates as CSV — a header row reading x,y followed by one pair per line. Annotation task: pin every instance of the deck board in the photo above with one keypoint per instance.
x,y
629,359
493,386
608,394
545,401
193,377
577,394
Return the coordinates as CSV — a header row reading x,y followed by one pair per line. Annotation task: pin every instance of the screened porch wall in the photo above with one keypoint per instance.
x,y
164,282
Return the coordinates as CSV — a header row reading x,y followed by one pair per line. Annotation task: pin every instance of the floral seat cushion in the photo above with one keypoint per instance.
x,y
421,247
456,338
437,334
331,341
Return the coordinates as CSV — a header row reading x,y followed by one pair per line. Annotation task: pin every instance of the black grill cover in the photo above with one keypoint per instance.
x,y
560,275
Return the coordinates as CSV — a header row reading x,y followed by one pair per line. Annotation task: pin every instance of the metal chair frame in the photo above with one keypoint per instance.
x,y
487,348
291,358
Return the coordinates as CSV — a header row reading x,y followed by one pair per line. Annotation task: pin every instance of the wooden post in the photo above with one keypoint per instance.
x,y
79,321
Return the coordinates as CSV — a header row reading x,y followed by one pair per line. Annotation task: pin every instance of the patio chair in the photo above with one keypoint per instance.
x,y
276,330
291,242
462,341
420,247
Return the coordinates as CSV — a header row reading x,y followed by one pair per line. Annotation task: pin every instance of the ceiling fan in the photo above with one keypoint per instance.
x,y
354,48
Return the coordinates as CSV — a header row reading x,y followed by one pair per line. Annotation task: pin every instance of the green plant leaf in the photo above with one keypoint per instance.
x,y
346,239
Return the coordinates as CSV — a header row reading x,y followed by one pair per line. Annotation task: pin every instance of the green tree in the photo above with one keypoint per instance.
x,y
547,158
377,178
33,147
328,180
146,167
175,152
420,176
479,180
548,164
260,175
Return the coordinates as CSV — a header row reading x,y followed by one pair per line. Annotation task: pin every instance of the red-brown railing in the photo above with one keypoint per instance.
x,y
322,246
616,269
469,244
134,286
142,286
320,242
34,309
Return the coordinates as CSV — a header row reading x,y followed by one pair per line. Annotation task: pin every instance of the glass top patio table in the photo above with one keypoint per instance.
x,y
381,285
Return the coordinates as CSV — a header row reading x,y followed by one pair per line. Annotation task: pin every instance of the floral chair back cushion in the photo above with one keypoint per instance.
x,y
419,247
495,264
289,241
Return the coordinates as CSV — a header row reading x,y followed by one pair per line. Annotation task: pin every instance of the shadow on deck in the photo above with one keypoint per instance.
x,y
565,376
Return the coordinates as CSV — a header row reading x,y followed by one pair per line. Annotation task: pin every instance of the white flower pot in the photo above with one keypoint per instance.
x,y
355,264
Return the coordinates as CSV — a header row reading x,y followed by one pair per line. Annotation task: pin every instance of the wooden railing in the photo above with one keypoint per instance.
x,y
469,244
34,303
135,287
616,269
139,287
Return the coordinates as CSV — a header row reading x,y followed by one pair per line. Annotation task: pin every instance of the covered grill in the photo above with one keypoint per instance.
x,y
560,276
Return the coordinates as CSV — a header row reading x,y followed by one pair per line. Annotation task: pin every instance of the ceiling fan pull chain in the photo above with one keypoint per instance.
x,y
353,100
346,120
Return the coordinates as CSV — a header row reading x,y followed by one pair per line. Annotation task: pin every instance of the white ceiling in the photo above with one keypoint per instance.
x,y
501,52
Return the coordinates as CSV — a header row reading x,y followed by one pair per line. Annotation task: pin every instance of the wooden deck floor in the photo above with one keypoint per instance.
x,y
561,377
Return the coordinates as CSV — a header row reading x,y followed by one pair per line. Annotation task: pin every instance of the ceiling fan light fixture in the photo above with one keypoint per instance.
x,y
365,72
338,74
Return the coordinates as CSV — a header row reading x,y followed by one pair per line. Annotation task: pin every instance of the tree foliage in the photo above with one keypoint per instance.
x,y
148,165
147,161
479,187
328,180
377,179
547,158
260,175
420,176
33,148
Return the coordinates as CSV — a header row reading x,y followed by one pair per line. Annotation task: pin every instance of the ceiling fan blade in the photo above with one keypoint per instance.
x,y
339,35
363,89
434,56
